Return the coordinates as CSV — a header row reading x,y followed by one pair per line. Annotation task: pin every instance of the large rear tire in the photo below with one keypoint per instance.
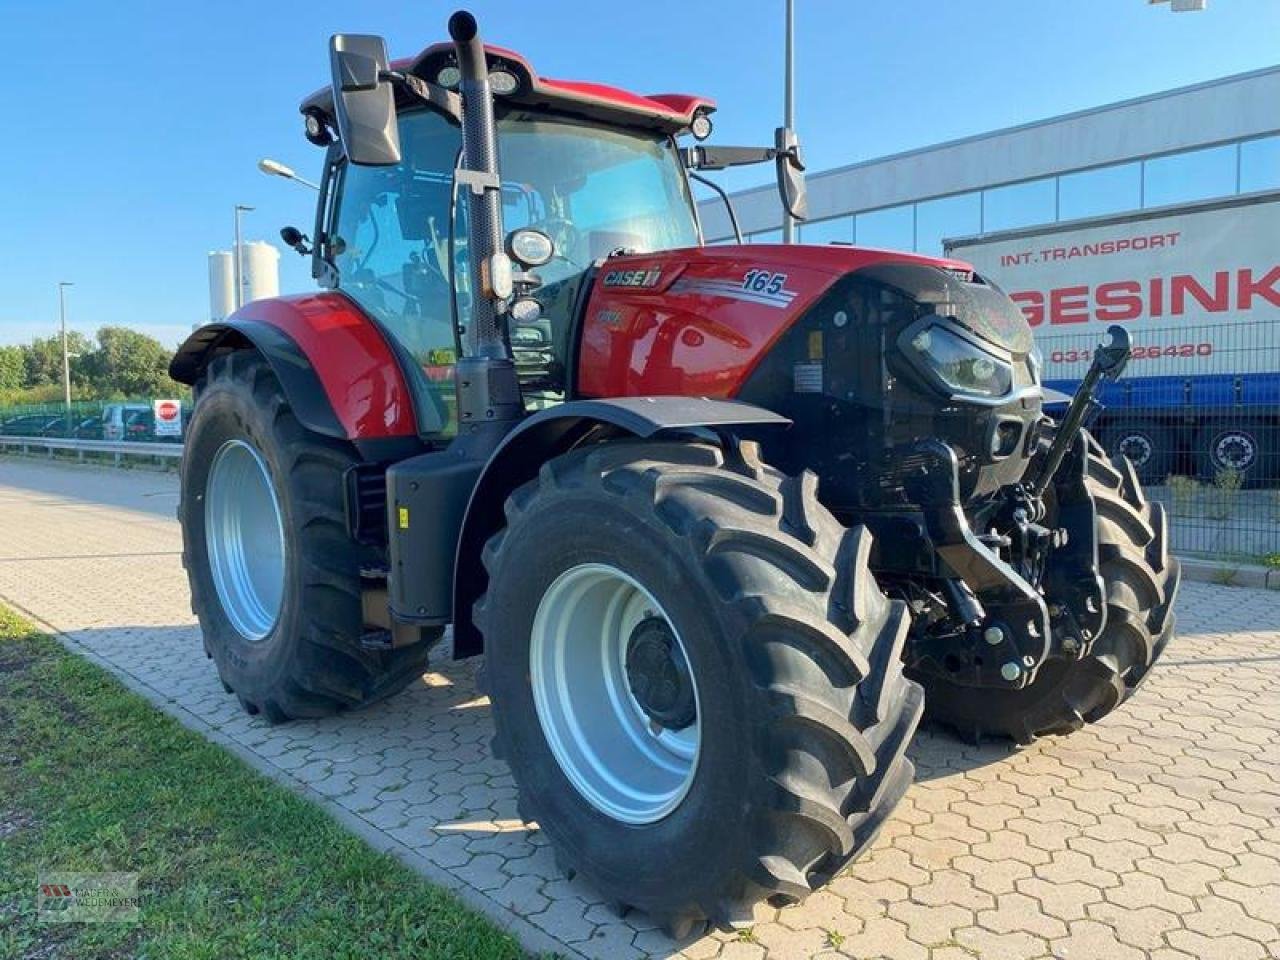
x,y
275,577
780,693
1140,582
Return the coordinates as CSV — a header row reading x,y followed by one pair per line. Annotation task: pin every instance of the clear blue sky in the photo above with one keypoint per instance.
x,y
133,127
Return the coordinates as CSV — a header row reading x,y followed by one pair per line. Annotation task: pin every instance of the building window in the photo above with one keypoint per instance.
x,y
1093,193
892,228
1019,205
1260,165
947,218
1193,175
839,230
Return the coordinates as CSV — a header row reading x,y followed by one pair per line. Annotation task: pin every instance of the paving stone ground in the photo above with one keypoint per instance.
x,y
1154,834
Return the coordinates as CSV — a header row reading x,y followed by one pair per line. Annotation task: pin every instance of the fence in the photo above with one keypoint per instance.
x,y
1198,413
110,420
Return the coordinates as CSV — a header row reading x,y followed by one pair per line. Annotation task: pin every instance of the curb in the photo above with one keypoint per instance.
x,y
1226,573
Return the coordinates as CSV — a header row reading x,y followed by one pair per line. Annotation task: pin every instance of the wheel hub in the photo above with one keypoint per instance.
x,y
658,675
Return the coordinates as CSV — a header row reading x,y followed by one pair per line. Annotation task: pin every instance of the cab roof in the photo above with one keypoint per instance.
x,y
663,112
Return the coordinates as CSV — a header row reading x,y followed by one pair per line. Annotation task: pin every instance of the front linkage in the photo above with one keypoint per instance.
x,y
992,608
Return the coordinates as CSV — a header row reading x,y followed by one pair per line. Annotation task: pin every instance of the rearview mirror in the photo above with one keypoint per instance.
x,y
364,102
791,185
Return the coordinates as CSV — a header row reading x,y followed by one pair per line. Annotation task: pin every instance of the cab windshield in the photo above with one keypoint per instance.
x,y
593,189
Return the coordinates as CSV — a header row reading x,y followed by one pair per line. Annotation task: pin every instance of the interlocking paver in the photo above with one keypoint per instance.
x,y
1154,834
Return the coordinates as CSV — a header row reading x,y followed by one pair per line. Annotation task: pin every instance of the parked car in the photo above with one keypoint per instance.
x,y
89,428
116,416
31,425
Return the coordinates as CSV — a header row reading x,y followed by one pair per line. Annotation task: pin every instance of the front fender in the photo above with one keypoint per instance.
x,y
548,434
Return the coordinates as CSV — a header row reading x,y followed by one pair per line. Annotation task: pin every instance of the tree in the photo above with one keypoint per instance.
x,y
43,359
128,363
13,368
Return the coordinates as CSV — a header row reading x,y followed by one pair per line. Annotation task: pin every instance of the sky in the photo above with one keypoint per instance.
x,y
133,127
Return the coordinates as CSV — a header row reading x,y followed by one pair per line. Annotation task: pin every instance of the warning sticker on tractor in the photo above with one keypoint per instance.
x,y
807,377
168,417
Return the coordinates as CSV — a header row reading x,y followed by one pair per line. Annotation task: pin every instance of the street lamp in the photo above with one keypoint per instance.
x,y
66,358
789,105
237,258
275,168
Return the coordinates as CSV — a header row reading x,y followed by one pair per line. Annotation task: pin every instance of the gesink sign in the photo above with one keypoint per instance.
x,y
168,418
1199,289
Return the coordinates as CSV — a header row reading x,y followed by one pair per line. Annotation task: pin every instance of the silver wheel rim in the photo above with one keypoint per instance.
x,y
1137,448
1235,451
600,735
245,538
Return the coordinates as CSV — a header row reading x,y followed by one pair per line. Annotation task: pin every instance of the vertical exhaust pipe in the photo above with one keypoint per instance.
x,y
479,178
488,391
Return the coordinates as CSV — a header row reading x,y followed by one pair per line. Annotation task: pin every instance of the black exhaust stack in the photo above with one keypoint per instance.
x,y
488,391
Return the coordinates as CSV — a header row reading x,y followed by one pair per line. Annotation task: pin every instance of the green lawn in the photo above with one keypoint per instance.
x,y
92,778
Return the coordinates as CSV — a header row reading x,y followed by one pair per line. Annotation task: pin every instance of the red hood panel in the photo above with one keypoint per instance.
x,y
695,322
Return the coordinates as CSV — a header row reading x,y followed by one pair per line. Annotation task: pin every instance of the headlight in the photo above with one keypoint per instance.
x,y
964,367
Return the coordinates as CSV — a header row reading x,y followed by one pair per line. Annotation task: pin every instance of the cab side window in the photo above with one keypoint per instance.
x,y
389,243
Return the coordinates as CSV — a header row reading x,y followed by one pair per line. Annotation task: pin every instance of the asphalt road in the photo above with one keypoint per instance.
x,y
1154,834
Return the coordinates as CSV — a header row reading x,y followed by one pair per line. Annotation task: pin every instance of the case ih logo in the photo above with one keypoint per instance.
x,y
632,278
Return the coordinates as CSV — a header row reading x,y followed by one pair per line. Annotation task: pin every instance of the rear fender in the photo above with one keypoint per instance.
x,y
339,373
548,434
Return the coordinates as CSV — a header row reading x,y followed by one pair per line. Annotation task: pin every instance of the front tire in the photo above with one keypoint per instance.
x,y
788,734
275,578
1140,581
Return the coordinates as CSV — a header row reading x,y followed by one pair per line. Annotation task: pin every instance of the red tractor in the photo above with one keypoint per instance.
x,y
723,520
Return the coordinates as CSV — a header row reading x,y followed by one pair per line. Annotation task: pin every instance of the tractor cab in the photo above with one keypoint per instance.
x,y
593,169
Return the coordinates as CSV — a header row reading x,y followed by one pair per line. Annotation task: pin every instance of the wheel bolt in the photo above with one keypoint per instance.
x,y
1011,671
993,635
1069,645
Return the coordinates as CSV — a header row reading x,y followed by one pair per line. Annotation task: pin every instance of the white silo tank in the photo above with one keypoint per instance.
x,y
261,265
222,285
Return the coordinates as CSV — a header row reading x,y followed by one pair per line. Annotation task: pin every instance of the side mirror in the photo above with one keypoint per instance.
x,y
364,102
791,185
295,238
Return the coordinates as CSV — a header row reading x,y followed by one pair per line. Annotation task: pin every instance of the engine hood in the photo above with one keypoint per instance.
x,y
697,321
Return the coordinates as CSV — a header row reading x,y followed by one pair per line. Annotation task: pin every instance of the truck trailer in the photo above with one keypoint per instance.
x,y
1198,287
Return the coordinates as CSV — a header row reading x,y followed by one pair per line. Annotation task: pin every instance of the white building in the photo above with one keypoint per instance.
x,y
1209,140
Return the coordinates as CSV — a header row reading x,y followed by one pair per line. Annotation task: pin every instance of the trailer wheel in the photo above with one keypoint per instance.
x,y
1248,448
1140,581
275,578
1148,445
695,678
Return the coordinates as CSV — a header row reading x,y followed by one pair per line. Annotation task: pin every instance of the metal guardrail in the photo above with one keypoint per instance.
x,y
120,448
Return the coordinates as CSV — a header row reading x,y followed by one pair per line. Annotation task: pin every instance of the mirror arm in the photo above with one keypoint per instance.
x,y
720,158
444,100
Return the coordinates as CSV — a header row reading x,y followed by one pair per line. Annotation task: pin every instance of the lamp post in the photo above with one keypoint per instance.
x,y
789,105
66,357
238,258
275,168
